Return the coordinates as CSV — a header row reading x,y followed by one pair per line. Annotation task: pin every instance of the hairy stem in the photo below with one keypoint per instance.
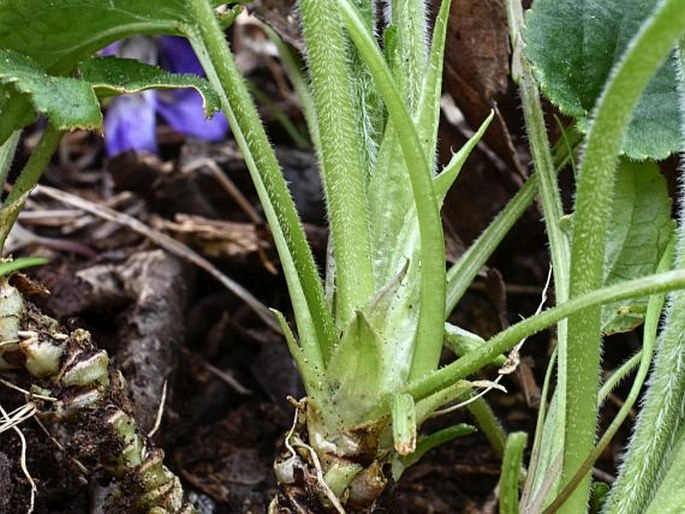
x,y
341,154
652,317
304,284
432,289
661,415
500,343
28,178
592,211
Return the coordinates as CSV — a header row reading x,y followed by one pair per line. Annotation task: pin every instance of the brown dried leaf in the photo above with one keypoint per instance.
x,y
213,238
477,68
281,16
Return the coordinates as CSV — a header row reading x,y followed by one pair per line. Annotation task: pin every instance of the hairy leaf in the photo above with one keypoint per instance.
x,y
639,232
391,201
573,47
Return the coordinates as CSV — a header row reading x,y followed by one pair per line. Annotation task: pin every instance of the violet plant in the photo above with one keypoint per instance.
x,y
369,333
130,120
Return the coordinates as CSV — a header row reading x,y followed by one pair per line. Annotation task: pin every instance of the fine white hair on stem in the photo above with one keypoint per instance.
x,y
662,407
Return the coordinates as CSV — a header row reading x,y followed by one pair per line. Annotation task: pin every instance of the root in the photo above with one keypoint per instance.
x,y
292,441
11,420
160,412
317,480
84,402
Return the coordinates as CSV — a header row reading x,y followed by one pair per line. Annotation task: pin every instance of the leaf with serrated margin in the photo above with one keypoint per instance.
x,y
114,76
59,34
68,102
640,229
573,46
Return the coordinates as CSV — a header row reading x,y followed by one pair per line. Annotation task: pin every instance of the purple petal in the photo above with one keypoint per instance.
x,y
110,49
182,109
176,55
130,124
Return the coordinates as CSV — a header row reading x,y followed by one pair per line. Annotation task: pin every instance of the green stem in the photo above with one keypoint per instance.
x,y
429,342
593,206
505,340
461,274
652,317
304,284
548,187
511,473
341,154
28,178
411,52
293,68
7,151
369,106
617,376
661,417
543,162
489,425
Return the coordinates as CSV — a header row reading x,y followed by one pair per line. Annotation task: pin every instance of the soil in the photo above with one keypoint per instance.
x,y
196,356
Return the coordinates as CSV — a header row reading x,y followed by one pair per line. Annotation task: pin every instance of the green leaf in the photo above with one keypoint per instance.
x,y
68,102
311,375
449,174
573,47
393,313
432,252
391,203
114,76
57,35
639,231
353,374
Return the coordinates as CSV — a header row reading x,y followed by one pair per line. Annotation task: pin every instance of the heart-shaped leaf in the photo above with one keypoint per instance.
x,y
573,46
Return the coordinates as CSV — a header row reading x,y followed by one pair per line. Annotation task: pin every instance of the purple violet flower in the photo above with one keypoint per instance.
x,y
130,120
